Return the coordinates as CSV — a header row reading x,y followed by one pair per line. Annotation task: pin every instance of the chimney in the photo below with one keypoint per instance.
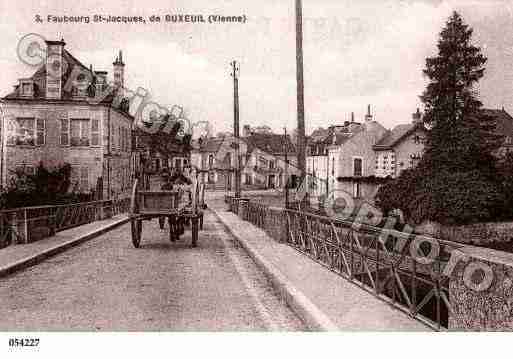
x,y
417,116
352,116
368,116
54,68
119,71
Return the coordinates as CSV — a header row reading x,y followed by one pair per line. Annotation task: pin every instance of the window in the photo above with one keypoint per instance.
x,y
357,167
112,138
210,161
271,165
26,131
25,169
26,88
95,132
64,132
79,132
40,134
357,190
177,163
211,177
247,179
80,179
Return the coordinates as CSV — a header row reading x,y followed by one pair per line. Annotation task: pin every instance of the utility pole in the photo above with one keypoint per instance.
x,y
286,170
300,99
235,75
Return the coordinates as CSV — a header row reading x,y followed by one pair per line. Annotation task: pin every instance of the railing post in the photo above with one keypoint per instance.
x,y
25,226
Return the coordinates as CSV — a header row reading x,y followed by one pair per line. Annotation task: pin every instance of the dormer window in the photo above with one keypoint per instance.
x,y
26,88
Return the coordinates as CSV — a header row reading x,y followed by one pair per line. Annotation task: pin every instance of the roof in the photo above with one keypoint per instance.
x,y
271,143
392,137
504,121
211,144
39,78
341,132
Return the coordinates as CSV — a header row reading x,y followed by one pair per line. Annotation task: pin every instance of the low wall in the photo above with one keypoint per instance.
x,y
490,307
476,234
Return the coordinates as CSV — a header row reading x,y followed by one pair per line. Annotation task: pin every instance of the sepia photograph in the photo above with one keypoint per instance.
x,y
193,168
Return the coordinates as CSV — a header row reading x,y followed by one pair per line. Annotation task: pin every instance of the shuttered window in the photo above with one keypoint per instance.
x,y
40,136
64,132
95,132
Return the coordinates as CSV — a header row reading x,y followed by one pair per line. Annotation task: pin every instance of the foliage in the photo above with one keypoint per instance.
x,y
168,137
457,180
44,187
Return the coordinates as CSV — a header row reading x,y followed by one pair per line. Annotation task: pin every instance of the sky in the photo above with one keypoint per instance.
x,y
355,53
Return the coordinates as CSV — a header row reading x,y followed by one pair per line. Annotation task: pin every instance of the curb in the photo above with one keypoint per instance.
x,y
307,311
59,248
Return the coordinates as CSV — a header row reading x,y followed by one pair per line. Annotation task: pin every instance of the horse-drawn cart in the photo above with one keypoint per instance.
x,y
146,205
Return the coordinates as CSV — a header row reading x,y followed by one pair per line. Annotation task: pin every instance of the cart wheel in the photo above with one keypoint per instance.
x,y
136,232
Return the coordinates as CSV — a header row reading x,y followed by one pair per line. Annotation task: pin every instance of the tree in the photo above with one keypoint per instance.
x,y
456,179
44,187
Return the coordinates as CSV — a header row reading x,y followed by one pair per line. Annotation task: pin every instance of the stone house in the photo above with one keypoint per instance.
x,y
262,160
67,113
400,148
321,150
354,161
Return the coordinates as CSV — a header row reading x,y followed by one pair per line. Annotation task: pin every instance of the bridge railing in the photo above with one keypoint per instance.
x,y
27,224
389,264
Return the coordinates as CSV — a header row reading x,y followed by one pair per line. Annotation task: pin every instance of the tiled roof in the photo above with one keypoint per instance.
x,y
270,143
395,135
211,144
341,132
39,78
504,121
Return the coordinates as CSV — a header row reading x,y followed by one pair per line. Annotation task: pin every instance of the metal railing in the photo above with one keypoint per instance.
x,y
384,262
23,225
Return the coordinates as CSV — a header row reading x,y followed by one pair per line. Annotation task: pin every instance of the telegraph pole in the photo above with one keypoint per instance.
x,y
300,99
235,75
286,170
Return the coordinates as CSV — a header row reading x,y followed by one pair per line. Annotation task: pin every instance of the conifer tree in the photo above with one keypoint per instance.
x,y
456,180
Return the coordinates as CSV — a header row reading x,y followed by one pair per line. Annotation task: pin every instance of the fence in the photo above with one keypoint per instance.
x,y
380,261
23,225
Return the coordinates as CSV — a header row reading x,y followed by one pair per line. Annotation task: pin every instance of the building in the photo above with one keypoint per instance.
x,y
354,160
157,152
68,113
262,157
400,148
322,146
265,164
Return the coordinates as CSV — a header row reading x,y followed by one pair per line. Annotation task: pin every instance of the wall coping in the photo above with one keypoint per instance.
x,y
488,255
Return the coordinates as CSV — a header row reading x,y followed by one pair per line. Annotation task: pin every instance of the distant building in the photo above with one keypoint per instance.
x,y
59,115
262,160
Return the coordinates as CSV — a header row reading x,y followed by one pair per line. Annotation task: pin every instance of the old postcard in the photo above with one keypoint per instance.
x,y
235,166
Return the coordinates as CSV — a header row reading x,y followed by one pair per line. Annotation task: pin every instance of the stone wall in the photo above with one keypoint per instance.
x,y
490,309
476,234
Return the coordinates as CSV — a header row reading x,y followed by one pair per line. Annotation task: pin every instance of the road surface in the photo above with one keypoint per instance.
x,y
107,285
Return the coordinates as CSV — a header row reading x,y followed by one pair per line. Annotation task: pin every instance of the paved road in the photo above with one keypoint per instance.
x,y
107,285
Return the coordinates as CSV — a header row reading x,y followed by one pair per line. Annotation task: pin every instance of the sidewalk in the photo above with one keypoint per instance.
x,y
20,256
321,298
